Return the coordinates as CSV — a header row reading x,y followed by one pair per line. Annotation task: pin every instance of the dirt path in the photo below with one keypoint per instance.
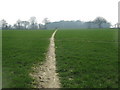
x,y
45,75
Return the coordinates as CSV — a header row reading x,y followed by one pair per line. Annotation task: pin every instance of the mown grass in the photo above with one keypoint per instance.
x,y
87,58
22,49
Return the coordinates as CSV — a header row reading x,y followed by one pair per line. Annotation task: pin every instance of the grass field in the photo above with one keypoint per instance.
x,y
87,58
22,49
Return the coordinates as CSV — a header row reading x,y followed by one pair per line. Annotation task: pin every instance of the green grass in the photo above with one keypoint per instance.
x,y
87,58
22,49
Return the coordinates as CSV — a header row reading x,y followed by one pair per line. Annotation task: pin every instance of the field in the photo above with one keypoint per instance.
x,y
22,49
87,58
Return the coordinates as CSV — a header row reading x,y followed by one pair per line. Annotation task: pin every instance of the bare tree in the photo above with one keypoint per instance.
x,y
18,24
33,22
25,24
39,26
3,24
99,21
46,21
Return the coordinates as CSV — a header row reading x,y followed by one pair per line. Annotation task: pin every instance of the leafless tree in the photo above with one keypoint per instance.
x,y
99,21
46,21
18,24
25,24
33,22
3,24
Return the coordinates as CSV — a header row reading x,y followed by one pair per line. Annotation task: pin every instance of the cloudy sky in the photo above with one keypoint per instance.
x,y
55,10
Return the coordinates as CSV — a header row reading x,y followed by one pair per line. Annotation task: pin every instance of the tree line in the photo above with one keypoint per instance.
x,y
31,24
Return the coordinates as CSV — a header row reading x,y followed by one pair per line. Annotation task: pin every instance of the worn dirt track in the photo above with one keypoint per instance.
x,y
45,75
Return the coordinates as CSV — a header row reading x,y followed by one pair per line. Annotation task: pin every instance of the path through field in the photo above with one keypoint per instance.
x,y
46,76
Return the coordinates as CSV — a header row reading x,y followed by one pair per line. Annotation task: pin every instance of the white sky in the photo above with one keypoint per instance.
x,y
55,10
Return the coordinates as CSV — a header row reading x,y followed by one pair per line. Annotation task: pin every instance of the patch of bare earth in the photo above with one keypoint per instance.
x,y
45,75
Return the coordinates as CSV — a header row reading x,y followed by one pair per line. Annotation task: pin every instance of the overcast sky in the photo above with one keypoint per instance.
x,y
55,10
